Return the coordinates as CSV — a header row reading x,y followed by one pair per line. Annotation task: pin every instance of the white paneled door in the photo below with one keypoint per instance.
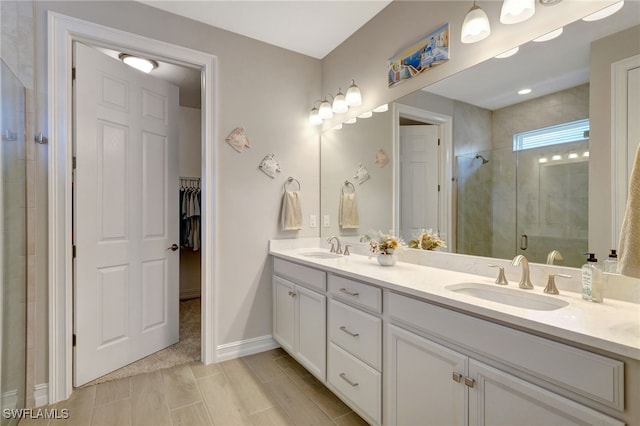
x,y
126,277
419,159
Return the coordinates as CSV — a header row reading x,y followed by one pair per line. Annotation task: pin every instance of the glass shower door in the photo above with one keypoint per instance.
x,y
13,250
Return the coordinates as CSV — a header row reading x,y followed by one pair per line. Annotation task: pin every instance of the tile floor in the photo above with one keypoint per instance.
x,y
269,388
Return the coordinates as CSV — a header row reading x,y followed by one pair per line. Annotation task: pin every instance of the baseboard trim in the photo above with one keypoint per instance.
x,y
41,394
10,399
245,347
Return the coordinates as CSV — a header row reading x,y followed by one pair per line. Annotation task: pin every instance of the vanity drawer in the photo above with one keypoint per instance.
x,y
356,332
310,277
593,376
358,383
355,292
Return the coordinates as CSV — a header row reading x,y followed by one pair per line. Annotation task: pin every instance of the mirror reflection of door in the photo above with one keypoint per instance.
x,y
419,159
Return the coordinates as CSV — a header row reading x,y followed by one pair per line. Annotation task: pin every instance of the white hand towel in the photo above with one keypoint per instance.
x,y
629,247
291,211
348,211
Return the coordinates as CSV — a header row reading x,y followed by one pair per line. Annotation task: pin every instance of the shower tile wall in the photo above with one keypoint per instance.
x,y
17,51
567,105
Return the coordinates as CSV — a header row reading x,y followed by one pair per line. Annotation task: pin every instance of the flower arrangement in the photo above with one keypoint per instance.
x,y
380,243
427,240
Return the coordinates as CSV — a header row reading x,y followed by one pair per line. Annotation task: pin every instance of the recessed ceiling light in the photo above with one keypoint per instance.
x,y
586,154
351,121
607,11
556,157
573,155
142,64
366,114
542,160
549,36
508,53
381,108
524,91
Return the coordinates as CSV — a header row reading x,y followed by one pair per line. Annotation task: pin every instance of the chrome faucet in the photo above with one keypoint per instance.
x,y
551,283
554,255
525,281
335,249
502,280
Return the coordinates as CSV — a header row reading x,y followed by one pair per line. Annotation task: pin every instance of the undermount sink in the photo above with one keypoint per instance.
x,y
320,254
509,296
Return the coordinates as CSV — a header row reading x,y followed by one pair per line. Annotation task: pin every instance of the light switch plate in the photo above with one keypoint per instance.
x,y
313,221
325,221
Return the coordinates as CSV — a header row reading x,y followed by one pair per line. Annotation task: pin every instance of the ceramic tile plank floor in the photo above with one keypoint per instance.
x,y
269,388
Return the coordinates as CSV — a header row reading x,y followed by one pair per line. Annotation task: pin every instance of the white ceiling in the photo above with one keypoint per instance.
x,y
310,27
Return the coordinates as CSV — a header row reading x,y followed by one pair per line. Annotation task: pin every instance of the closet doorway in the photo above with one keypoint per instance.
x,y
62,31
136,303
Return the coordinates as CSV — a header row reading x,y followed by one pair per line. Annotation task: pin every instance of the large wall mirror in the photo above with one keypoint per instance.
x,y
495,172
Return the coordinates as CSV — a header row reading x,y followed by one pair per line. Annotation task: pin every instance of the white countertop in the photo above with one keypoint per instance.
x,y
612,326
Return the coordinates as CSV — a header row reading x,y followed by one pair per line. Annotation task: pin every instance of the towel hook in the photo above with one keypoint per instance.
x,y
291,180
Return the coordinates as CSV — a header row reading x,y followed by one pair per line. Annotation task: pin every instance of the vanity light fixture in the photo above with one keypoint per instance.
x,y
366,114
515,11
550,35
476,25
142,64
508,53
340,103
325,110
524,91
314,117
353,97
382,108
604,13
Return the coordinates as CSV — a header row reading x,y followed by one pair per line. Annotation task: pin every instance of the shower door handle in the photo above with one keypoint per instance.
x,y
524,242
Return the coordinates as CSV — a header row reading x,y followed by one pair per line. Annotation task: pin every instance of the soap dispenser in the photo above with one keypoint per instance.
x,y
611,263
592,279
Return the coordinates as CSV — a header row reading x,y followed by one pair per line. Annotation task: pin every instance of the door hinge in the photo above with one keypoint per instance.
x,y
73,340
438,187
73,251
73,162
73,73
438,141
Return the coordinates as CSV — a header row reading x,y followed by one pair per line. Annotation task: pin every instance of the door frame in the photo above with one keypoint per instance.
x,y
445,124
62,32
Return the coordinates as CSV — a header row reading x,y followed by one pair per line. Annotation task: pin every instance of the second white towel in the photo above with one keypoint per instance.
x,y
629,247
348,211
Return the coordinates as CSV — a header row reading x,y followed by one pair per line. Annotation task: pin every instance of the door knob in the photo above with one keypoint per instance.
x,y
173,247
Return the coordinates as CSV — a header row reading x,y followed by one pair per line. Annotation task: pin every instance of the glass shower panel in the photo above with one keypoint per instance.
x,y
13,244
552,202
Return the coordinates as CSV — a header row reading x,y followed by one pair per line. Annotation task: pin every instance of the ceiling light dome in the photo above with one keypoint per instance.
x,y
142,64
476,25
515,11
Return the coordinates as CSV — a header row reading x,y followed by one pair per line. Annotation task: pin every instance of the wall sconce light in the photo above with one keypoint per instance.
x,y
339,104
354,97
142,64
476,25
515,11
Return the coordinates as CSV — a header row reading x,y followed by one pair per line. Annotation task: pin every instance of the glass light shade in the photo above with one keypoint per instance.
x,y
382,108
508,53
514,11
144,65
475,26
314,117
354,97
325,110
340,103
607,11
550,35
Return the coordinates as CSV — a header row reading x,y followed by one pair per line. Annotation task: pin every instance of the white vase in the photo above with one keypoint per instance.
x,y
387,259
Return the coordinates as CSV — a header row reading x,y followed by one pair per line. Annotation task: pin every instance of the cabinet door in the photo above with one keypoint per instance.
x,y
498,398
311,314
284,313
421,388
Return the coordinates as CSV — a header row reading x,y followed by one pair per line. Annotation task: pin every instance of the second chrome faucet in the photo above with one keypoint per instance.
x,y
525,280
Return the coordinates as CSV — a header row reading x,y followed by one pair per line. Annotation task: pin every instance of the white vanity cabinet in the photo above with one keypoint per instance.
x,y
300,314
354,368
435,376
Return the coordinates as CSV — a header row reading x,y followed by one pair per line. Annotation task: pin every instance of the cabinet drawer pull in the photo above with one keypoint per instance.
x,y
469,381
343,328
292,294
345,291
457,377
344,377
